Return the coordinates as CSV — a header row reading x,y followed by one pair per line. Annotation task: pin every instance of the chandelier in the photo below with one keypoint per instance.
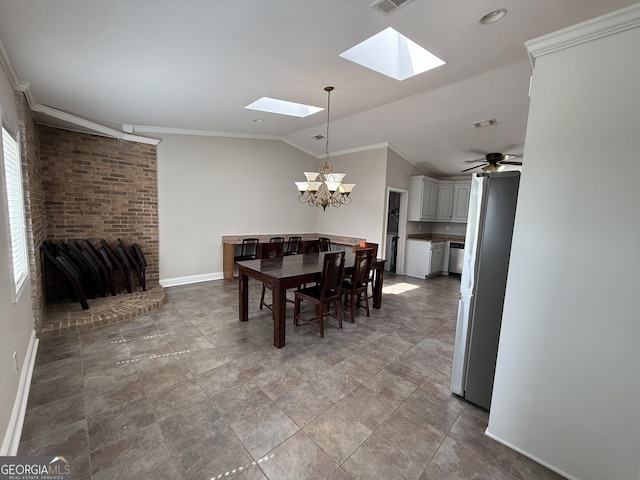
x,y
329,191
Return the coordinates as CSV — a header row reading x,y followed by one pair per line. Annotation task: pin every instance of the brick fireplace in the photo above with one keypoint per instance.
x,y
83,186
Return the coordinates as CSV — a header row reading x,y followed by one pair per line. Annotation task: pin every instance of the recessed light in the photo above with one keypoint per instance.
x,y
258,120
493,16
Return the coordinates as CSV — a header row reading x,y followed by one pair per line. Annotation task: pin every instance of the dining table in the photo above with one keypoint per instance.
x,y
291,271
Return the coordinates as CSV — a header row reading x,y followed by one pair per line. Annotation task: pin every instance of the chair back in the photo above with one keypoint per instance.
x,y
325,244
311,246
361,265
373,246
250,247
332,267
271,250
292,245
277,239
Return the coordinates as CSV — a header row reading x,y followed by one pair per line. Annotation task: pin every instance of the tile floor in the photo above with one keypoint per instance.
x,y
188,392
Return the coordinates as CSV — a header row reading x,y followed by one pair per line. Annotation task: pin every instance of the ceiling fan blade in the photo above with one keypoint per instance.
x,y
477,166
478,151
509,156
475,161
507,162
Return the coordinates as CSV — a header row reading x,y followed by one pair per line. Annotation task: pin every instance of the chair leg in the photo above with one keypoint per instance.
x,y
339,309
366,303
262,297
352,308
321,318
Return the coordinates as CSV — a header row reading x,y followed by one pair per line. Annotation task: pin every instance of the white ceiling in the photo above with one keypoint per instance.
x,y
195,64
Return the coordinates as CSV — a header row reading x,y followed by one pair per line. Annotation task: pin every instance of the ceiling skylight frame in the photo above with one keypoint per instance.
x,y
283,107
392,54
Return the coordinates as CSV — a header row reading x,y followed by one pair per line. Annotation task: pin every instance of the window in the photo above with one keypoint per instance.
x,y
15,207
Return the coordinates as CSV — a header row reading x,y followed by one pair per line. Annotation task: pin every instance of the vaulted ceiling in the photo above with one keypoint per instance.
x,y
191,66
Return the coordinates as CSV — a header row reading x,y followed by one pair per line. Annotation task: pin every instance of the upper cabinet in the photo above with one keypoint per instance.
x,y
423,199
432,200
460,209
445,201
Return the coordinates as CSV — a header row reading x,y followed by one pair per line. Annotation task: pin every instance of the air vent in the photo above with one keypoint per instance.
x,y
387,7
318,137
485,123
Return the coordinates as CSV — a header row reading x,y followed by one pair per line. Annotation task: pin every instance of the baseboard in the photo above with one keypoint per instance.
x,y
528,455
206,277
14,429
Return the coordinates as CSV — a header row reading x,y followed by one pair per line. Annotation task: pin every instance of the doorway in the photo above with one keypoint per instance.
x,y
395,229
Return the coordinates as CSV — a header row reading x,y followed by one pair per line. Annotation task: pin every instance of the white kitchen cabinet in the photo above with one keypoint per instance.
x,y
424,258
423,199
460,204
417,258
445,201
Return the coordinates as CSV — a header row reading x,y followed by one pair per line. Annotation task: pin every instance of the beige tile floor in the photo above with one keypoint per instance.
x,y
188,392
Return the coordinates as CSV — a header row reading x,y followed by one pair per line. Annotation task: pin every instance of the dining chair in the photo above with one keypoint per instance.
x,y
311,246
276,239
271,251
249,250
323,294
374,255
354,288
293,245
325,244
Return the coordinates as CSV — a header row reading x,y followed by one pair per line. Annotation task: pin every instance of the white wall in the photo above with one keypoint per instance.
x,y
365,216
16,320
567,383
213,186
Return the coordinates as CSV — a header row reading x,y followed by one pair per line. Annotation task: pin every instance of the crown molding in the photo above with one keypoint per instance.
x,y
599,27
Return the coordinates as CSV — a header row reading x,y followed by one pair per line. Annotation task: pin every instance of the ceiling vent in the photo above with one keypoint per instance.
x,y
387,7
485,123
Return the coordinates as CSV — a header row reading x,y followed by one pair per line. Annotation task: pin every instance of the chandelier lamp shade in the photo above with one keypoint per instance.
x,y
324,188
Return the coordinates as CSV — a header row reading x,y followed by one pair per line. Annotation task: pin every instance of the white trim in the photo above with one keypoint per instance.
x,y
7,66
205,277
16,421
202,133
614,22
528,455
81,122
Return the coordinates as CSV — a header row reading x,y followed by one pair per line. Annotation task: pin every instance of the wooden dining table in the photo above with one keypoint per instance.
x,y
292,271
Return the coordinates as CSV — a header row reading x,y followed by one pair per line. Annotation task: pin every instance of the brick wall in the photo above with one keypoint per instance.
x,y
34,203
97,187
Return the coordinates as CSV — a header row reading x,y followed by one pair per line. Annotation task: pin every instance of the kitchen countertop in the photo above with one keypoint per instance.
x,y
434,237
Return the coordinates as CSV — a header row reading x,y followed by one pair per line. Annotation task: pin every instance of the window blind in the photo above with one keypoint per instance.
x,y
15,204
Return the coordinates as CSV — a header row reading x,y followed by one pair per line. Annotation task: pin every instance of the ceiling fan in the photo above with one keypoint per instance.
x,y
493,161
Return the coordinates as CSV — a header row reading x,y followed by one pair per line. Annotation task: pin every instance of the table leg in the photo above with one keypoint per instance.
x,y
243,294
377,287
279,314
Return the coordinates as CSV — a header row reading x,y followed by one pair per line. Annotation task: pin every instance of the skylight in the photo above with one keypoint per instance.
x,y
283,107
392,54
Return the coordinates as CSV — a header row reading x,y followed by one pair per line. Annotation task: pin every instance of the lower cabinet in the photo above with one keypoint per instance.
x,y
417,258
436,259
424,258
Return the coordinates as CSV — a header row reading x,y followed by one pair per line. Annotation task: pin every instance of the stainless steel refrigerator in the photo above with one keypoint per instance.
x,y
492,208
